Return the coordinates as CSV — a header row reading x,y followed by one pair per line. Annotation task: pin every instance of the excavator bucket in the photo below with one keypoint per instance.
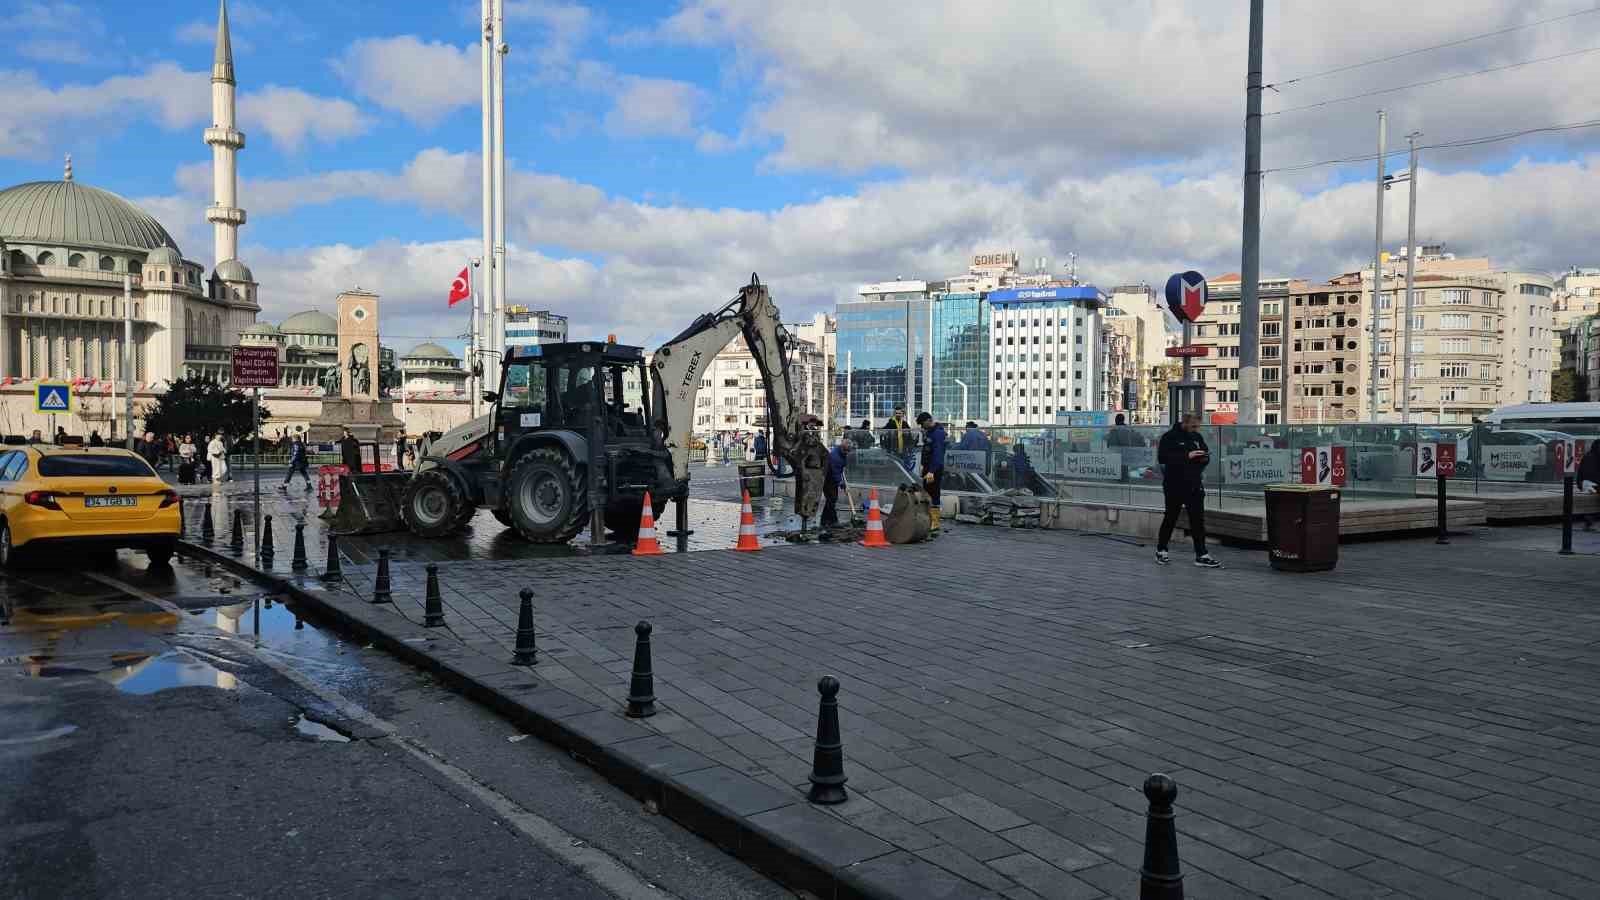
x,y
370,503
909,521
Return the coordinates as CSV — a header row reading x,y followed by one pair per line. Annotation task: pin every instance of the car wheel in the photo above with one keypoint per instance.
x,y
160,557
8,553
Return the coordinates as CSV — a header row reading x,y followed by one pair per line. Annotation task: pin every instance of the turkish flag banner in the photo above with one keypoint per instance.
x,y
1340,463
461,288
1308,465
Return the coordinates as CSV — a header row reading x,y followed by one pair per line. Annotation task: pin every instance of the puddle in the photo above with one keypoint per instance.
x,y
318,730
173,669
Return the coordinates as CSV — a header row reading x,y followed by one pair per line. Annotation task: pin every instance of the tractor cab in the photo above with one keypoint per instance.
x,y
573,387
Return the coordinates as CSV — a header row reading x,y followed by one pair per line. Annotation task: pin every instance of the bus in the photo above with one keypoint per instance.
x,y
1578,419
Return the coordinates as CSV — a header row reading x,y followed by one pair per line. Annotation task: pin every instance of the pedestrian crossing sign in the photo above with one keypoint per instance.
x,y
52,398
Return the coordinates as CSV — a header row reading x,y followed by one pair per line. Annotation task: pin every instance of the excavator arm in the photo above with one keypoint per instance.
x,y
680,364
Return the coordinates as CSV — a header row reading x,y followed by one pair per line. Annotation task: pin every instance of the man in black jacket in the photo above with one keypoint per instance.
x,y
350,452
1183,455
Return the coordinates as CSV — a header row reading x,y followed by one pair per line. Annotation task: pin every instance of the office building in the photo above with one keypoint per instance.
x,y
1045,353
882,349
530,328
960,357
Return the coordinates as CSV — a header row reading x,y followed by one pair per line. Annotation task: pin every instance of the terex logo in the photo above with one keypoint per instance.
x,y
694,366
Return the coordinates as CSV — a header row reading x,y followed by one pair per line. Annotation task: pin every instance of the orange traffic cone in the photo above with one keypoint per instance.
x,y
647,544
874,536
747,527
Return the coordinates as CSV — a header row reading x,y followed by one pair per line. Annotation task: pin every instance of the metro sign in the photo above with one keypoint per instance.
x,y
1187,295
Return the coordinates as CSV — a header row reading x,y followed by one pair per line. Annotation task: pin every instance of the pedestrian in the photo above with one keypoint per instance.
x,y
400,452
297,463
1121,435
150,449
61,435
1183,455
350,452
973,438
838,460
1021,468
217,456
36,437
761,447
95,440
187,452
864,438
898,440
1589,472
932,464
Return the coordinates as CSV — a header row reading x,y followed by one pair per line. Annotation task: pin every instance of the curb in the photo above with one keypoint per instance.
x,y
779,833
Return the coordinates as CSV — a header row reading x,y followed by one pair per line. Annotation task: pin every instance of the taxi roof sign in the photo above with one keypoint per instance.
x,y
52,397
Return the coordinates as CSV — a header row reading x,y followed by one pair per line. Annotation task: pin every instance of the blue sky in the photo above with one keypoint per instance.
x,y
662,151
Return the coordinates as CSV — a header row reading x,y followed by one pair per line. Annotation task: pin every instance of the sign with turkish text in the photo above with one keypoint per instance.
x,y
255,367
1097,466
1187,296
1259,467
1509,463
966,460
1447,459
994,260
1188,350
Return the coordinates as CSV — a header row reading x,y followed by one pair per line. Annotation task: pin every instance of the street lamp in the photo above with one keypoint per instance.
x,y
964,417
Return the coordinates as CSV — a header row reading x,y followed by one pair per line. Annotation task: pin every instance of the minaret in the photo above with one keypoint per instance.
x,y
226,141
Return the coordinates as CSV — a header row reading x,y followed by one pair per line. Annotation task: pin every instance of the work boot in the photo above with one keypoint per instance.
x,y
933,521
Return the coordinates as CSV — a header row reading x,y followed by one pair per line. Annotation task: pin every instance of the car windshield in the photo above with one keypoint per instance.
x,y
93,465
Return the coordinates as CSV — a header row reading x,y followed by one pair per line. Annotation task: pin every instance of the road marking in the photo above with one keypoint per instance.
x,y
605,869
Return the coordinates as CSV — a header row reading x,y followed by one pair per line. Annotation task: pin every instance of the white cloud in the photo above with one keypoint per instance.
x,y
713,141
562,29
198,33
290,116
648,107
423,81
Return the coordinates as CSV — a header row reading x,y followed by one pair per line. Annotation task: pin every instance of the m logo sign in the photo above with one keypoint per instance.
x,y
1187,296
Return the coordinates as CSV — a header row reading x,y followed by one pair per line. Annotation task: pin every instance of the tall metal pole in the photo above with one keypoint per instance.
x,y
501,49
1377,275
1250,257
1411,277
490,40
475,354
255,496
127,361
849,370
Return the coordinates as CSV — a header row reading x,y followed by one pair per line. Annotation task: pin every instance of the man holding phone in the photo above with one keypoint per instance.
x,y
1183,455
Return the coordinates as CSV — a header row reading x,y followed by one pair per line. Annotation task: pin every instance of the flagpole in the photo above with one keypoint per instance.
x,y
488,48
501,49
127,360
474,381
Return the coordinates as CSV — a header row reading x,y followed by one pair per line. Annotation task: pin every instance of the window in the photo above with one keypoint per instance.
x,y
135,267
1269,374
1269,396
1416,345
1419,322
1536,290
1452,393
1488,323
58,465
47,258
1202,330
1270,329
1455,321
1385,346
1483,372
1270,351
1456,297
1454,370
1415,370
1319,346
1455,345
1312,390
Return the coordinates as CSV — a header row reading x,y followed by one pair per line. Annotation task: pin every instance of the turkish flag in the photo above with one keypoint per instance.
x,y
461,288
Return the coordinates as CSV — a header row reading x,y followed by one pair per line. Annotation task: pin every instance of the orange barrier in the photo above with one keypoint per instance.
x,y
747,528
647,544
874,536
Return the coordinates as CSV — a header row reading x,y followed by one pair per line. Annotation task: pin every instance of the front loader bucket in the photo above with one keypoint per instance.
x,y
909,521
370,503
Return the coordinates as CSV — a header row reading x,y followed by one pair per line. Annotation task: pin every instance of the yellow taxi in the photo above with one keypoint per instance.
x,y
91,498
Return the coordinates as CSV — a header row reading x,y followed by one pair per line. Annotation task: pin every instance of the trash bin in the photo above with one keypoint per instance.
x,y
1302,527
752,477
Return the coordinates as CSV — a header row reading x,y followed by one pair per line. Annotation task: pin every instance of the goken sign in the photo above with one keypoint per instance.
x,y
255,367
1187,296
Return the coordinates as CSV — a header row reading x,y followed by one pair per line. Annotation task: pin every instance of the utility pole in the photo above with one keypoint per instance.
x,y
1377,274
1411,276
1250,256
127,361
501,48
490,40
475,358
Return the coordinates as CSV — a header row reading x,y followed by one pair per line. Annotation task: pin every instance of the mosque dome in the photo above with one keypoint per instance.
x,y
163,256
71,214
429,350
233,270
309,322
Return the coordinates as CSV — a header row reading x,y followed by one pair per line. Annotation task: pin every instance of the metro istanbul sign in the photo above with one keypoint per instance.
x,y
1187,295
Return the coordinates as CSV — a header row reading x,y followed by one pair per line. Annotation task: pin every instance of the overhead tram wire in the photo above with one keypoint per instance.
x,y
1442,145
1407,87
1455,43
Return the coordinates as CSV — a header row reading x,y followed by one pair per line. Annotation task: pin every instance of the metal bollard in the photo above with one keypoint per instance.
x,y
527,650
381,592
299,563
332,572
433,605
208,531
1444,533
1160,878
642,689
236,541
267,551
1567,485
827,762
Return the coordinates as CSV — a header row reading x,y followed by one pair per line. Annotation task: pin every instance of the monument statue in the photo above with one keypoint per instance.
x,y
350,399
330,381
360,371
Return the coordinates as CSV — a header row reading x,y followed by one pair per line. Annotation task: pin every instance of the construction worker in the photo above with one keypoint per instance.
x,y
933,440
838,459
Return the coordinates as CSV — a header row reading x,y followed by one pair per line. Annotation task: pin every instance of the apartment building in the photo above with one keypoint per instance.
x,y
1320,372
1133,310
1531,345
1218,330
733,398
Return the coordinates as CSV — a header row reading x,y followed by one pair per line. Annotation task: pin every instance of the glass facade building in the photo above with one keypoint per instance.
x,y
960,356
883,360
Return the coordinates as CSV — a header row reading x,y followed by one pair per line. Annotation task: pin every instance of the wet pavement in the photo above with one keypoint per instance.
x,y
179,732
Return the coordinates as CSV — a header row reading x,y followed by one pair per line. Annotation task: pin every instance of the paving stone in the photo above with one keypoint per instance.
x,y
907,875
821,835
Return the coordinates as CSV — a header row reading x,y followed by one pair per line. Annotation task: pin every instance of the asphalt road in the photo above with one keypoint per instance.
x,y
179,734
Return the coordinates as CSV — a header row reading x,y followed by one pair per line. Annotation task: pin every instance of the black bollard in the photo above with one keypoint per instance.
x,y
332,572
299,563
433,605
299,624
642,690
380,584
236,540
527,649
1444,533
1567,485
208,531
827,763
1160,878
267,551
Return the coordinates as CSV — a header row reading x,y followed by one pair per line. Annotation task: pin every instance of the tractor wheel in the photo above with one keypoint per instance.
x,y
504,518
433,503
468,510
547,498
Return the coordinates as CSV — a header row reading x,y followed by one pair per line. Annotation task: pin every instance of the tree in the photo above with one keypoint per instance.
x,y
1566,387
201,407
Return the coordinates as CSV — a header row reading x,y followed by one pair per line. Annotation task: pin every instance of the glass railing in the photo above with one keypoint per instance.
x,y
1119,464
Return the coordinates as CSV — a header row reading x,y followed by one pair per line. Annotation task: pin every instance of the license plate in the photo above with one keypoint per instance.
x,y
103,502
